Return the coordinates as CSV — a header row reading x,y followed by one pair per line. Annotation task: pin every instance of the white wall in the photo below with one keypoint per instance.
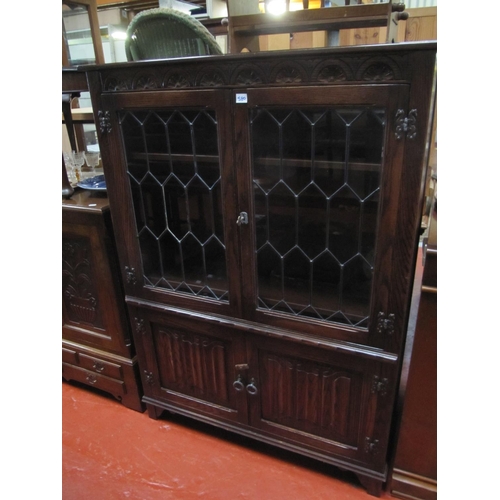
x,y
414,4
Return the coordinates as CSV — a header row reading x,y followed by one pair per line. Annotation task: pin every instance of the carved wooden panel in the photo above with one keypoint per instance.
x,y
290,69
78,281
311,397
192,364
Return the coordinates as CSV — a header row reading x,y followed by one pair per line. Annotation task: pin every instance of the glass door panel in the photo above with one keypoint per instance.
x,y
174,172
316,183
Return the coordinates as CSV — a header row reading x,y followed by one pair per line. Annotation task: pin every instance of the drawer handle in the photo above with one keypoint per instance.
x,y
91,379
98,367
252,388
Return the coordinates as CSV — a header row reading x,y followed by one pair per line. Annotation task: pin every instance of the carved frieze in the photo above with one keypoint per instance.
x,y
300,70
378,70
289,73
210,78
176,81
146,82
115,84
332,71
247,75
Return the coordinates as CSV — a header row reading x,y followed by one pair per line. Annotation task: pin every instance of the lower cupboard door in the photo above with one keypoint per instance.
x,y
189,366
336,405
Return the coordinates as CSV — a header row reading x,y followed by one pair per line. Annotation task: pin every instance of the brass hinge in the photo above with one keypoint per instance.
x,y
385,324
139,326
130,275
379,385
104,121
149,377
371,446
406,124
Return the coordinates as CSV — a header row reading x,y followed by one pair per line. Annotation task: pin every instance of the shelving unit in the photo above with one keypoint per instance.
x,y
268,289
244,31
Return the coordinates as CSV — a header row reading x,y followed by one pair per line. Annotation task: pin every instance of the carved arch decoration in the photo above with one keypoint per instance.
x,y
113,84
177,80
332,71
299,71
145,82
378,69
289,73
246,75
210,77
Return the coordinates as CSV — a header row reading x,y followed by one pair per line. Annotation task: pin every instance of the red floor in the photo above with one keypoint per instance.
x,y
110,452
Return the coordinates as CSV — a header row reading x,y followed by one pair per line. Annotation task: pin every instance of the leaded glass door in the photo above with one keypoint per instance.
x,y
176,185
322,184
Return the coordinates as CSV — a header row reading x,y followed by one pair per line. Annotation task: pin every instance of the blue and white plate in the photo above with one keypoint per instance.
x,y
97,183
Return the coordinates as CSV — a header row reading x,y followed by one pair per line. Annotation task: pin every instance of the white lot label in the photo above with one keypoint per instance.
x,y
241,98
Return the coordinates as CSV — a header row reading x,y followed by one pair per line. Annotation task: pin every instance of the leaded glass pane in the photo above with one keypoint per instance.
x,y
175,181
316,177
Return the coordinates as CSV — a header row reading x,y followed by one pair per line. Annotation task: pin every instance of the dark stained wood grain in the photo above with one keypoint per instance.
x,y
323,389
97,345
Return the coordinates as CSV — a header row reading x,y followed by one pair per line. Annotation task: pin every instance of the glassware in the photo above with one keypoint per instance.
x,y
74,162
78,161
70,167
92,161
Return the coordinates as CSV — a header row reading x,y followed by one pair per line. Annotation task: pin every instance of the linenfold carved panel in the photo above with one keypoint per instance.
x,y
192,364
220,72
311,397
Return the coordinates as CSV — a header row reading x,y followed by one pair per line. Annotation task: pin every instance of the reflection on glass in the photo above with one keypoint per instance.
x,y
77,33
316,176
174,173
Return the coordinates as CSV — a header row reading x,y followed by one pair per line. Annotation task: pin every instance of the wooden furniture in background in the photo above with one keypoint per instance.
x,y
414,472
267,255
97,347
244,31
420,24
90,7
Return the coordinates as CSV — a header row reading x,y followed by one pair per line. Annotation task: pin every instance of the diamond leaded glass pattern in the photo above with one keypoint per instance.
x,y
174,173
316,180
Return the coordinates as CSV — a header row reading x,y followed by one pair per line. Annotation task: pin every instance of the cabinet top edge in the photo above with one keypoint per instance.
x,y
362,50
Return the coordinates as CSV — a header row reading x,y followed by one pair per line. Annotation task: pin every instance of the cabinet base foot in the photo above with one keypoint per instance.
x,y
153,411
373,486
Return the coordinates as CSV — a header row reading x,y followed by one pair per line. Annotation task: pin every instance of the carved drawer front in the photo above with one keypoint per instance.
x,y
115,387
102,367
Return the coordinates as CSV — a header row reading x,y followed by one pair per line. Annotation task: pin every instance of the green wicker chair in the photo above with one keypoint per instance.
x,y
163,33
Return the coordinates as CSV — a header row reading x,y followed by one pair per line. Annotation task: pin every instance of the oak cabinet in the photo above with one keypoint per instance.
x,y
267,212
97,347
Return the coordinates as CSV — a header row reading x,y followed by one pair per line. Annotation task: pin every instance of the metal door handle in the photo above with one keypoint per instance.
x,y
251,387
242,218
238,384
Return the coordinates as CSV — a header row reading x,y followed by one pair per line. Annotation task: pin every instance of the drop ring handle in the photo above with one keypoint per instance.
x,y
238,384
252,388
